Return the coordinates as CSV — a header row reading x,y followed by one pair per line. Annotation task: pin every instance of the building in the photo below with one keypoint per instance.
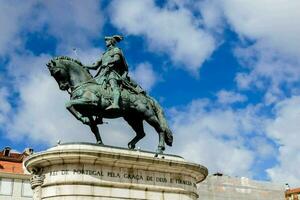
x,y
220,187
14,183
292,194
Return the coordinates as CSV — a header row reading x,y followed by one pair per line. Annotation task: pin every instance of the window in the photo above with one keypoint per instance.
x,y
6,186
7,151
26,189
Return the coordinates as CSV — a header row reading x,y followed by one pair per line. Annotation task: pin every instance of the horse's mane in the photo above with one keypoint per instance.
x,y
68,58
73,60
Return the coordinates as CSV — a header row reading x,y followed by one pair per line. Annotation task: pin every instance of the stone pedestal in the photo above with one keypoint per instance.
x,y
93,172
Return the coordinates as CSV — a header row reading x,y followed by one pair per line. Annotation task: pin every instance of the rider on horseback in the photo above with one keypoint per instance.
x,y
90,98
113,67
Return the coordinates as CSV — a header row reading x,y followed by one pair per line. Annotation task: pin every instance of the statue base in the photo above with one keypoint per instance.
x,y
92,172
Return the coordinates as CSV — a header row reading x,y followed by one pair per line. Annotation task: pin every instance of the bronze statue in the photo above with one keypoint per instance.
x,y
113,67
111,94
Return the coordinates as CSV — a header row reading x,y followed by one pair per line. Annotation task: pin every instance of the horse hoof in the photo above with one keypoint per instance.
x,y
131,146
99,142
159,151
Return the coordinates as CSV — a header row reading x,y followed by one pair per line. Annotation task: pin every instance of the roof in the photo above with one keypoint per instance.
x,y
13,157
11,161
292,191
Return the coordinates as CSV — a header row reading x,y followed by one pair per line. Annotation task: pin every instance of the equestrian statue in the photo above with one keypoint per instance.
x,y
110,94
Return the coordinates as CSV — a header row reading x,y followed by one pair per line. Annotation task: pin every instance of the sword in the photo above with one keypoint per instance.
x,y
126,82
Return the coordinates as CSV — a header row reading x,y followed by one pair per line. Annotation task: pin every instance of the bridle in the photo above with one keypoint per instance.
x,y
53,67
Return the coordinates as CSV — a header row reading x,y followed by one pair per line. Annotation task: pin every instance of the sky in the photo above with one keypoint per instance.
x,y
226,72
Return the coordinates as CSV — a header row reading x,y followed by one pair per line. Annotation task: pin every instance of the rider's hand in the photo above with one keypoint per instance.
x,y
124,75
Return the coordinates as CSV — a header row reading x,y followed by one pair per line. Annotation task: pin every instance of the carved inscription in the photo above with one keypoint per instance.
x,y
117,175
86,172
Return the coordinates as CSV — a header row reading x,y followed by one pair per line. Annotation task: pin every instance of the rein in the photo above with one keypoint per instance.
x,y
77,87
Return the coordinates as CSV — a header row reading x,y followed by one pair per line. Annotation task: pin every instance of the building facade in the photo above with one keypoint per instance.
x,y
292,194
14,183
220,187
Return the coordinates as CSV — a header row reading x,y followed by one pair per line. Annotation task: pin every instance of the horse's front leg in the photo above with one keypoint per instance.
x,y
86,120
95,130
77,114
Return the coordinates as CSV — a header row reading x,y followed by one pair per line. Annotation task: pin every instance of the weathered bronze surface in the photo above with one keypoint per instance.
x,y
110,94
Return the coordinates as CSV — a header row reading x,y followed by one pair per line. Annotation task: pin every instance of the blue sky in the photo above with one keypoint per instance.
x,y
226,73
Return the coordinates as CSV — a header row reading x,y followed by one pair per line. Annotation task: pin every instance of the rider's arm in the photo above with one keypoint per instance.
x,y
116,58
119,58
95,65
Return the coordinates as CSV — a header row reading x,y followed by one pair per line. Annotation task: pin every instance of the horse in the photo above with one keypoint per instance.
x,y
90,98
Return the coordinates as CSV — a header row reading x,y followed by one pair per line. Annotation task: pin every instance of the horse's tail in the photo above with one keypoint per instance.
x,y
163,122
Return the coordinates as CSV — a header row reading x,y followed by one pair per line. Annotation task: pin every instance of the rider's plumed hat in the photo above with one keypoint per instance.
x,y
115,38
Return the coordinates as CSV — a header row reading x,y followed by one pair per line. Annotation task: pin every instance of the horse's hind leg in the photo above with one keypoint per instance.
x,y
137,126
153,121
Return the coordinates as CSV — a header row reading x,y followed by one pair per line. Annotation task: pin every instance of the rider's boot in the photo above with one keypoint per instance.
x,y
115,104
116,96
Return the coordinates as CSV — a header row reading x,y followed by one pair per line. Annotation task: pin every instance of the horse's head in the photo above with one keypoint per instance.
x,y
68,72
59,71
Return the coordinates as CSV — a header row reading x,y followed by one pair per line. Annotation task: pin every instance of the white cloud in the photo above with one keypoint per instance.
x,y
216,137
145,75
271,23
88,55
229,97
173,32
267,70
5,107
269,40
212,15
72,22
12,15
263,148
273,58
284,129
